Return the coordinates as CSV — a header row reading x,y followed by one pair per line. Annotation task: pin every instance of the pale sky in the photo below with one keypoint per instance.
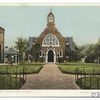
x,y
80,22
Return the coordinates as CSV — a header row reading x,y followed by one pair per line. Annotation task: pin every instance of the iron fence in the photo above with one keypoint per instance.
x,y
13,80
87,78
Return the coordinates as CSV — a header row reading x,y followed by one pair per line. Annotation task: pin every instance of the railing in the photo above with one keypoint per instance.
x,y
13,81
87,79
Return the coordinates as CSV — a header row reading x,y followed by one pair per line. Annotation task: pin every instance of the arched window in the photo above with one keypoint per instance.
x,y
50,39
40,53
60,54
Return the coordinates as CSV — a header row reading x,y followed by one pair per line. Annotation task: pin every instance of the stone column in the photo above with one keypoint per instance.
x,y
15,58
46,58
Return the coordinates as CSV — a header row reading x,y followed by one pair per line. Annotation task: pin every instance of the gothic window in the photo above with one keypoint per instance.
x,y
60,54
50,39
40,53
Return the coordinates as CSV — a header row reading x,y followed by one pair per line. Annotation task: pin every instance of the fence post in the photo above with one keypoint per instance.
x,y
16,75
85,80
16,79
23,74
97,83
20,78
85,76
75,74
10,80
81,79
90,80
3,83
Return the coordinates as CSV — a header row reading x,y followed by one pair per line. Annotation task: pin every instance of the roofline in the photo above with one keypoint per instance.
x,y
2,28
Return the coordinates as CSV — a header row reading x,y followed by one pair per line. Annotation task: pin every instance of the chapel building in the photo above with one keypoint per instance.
x,y
53,43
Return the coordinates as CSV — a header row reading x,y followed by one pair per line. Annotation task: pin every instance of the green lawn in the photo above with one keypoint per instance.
x,y
70,67
83,68
30,68
11,82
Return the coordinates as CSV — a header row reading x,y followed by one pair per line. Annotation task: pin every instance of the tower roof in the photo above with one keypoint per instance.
x,y
50,13
2,28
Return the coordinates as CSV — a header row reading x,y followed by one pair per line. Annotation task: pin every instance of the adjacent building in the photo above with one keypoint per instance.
x,y
2,30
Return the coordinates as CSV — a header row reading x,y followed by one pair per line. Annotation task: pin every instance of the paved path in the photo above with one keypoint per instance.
x,y
50,77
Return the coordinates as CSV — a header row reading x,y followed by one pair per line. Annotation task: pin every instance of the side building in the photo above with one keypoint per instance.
x,y
2,30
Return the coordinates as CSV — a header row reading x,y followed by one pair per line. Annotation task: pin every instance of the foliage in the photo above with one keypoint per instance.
x,y
35,51
73,55
21,45
97,49
60,60
90,52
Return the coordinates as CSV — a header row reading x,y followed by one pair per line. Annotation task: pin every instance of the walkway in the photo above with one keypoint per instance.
x,y
50,77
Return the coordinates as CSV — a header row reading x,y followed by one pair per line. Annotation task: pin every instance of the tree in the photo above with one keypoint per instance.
x,y
88,52
97,51
21,46
73,54
35,51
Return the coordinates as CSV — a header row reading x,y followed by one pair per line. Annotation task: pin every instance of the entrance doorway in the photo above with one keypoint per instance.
x,y
50,56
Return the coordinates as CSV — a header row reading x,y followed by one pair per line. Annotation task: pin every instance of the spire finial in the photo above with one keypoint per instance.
x,y
50,10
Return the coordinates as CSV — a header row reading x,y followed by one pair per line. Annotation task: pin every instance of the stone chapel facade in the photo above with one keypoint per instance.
x,y
53,44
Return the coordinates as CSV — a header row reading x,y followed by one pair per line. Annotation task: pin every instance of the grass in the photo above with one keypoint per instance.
x,y
16,83
84,83
6,84
30,63
83,68
70,67
30,69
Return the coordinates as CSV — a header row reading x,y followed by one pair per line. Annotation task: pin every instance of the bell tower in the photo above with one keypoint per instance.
x,y
50,19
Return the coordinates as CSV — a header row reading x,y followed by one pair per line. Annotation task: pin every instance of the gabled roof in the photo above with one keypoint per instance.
x,y
51,14
2,28
11,51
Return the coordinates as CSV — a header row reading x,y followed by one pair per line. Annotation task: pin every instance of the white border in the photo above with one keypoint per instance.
x,y
50,1
53,93
49,93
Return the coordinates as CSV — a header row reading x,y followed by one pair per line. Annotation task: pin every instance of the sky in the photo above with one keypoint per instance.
x,y
80,22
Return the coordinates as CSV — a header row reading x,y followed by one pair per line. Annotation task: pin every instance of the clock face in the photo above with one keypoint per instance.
x,y
50,19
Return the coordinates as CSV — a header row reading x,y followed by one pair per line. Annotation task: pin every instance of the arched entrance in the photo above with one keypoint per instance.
x,y
50,56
